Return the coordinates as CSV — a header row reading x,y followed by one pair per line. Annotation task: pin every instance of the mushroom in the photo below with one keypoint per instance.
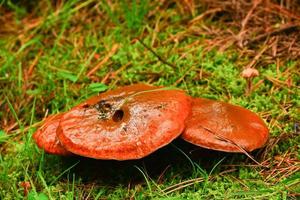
x,y
224,127
249,74
133,121
119,92
123,124
45,136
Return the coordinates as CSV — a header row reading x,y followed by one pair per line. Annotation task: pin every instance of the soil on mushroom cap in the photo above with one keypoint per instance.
x,y
136,124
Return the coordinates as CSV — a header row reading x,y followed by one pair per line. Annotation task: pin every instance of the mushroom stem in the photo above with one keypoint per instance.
x,y
248,74
248,87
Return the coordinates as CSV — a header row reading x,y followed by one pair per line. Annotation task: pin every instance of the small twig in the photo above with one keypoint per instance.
x,y
280,83
183,76
235,144
246,19
105,59
28,73
120,69
274,48
227,171
208,12
274,8
18,131
106,77
155,31
11,127
254,87
33,64
240,181
245,22
182,185
257,56
156,55
282,28
112,75
162,174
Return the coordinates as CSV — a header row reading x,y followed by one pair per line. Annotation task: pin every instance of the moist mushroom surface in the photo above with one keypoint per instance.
x,y
46,139
225,127
127,123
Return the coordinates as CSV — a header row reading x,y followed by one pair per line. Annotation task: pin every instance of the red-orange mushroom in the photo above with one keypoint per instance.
x,y
120,92
46,139
224,127
127,123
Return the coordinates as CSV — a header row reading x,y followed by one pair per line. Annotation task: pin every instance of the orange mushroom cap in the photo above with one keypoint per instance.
x,y
224,127
45,136
123,124
249,73
120,92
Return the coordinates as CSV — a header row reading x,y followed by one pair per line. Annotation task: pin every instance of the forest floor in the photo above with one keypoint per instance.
x,y
55,54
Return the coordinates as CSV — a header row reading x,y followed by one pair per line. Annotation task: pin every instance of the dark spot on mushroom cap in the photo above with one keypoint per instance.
x,y
85,105
118,115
